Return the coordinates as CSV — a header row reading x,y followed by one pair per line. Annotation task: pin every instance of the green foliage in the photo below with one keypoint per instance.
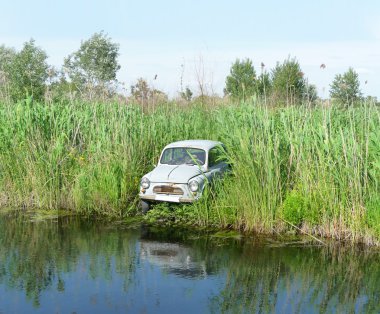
x,y
187,94
173,215
318,165
94,64
310,95
62,90
7,56
24,72
241,83
288,83
346,88
160,213
294,208
264,84
372,216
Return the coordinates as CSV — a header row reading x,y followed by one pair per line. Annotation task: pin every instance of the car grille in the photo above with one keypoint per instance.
x,y
167,189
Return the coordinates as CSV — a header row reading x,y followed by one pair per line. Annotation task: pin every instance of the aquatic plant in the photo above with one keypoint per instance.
x,y
320,164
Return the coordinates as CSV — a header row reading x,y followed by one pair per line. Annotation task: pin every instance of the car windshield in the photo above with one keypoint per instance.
x,y
183,155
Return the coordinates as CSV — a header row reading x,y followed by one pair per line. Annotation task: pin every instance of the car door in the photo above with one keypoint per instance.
x,y
217,164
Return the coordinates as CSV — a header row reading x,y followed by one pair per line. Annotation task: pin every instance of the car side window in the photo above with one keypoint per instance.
x,y
216,155
213,157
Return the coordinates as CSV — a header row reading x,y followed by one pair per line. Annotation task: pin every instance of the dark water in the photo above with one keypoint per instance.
x,y
74,265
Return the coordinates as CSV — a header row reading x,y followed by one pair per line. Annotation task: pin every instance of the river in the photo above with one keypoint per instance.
x,y
77,265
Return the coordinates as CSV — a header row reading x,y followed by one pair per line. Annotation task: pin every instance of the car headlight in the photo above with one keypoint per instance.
x,y
145,183
194,186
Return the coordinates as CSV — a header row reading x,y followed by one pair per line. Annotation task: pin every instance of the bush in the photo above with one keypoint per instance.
x,y
294,208
372,216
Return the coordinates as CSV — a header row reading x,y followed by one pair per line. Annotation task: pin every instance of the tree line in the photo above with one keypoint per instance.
x,y
90,73
286,83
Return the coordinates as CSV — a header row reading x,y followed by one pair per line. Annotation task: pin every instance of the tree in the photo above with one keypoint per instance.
x,y
28,72
241,83
264,84
372,100
145,95
95,64
140,91
288,83
187,94
7,56
346,88
310,95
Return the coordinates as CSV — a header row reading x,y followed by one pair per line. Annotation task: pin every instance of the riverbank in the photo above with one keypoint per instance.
x,y
166,220
314,170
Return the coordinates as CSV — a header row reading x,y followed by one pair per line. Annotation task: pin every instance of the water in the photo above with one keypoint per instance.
x,y
72,265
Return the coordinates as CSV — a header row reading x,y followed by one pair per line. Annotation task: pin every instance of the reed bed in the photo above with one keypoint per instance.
x,y
315,170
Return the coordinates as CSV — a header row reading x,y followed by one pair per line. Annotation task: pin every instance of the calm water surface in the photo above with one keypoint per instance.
x,y
72,265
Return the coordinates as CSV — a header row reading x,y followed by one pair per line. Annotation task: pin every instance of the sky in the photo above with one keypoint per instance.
x,y
183,41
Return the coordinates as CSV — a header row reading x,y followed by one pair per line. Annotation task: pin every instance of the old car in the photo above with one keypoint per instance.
x,y
183,170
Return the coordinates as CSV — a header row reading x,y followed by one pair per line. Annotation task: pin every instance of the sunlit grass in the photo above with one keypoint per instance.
x,y
316,168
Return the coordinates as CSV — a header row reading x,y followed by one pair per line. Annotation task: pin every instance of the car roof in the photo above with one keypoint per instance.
x,y
203,144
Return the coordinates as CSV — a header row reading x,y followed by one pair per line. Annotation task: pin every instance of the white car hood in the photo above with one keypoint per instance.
x,y
174,173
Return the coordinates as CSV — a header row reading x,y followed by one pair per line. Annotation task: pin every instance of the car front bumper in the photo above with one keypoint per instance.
x,y
186,197
166,198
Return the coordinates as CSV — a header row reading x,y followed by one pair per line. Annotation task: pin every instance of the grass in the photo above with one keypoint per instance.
x,y
315,168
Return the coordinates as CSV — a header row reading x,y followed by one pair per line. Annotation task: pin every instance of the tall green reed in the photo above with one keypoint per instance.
x,y
316,168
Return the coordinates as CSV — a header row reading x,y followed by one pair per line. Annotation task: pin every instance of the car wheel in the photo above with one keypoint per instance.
x,y
145,206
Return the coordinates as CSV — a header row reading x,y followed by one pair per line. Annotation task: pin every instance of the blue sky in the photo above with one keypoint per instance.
x,y
173,38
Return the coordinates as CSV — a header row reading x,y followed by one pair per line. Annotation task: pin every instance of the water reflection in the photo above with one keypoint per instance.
x,y
76,265
175,258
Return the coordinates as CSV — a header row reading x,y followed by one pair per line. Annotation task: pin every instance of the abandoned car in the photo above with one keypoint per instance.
x,y
183,170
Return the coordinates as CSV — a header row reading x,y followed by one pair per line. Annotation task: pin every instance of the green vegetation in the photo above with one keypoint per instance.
x,y
144,95
315,168
88,73
23,73
71,139
93,67
285,85
289,85
241,83
345,88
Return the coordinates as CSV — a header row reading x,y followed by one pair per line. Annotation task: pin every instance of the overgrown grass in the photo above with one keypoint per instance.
x,y
315,168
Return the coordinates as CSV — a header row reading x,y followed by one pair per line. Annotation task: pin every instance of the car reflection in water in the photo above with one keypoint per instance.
x,y
174,258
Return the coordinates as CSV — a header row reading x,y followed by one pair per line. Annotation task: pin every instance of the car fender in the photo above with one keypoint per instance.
x,y
202,179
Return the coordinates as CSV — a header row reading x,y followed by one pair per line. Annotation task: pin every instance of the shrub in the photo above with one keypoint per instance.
x,y
293,209
372,216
